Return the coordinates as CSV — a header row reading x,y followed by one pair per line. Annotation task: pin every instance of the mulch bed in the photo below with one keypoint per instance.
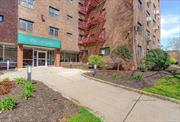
x,y
150,78
46,105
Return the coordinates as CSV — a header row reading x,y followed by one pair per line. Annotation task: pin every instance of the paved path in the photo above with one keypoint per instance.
x,y
111,103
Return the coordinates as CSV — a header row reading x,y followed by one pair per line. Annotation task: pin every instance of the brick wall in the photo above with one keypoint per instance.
x,y
8,28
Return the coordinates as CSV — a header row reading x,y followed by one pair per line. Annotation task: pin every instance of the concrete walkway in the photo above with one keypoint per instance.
x,y
111,103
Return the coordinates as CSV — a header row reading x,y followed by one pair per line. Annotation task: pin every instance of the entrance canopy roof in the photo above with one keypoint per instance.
x,y
28,39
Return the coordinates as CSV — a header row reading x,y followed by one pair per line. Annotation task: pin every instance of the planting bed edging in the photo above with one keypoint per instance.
x,y
135,90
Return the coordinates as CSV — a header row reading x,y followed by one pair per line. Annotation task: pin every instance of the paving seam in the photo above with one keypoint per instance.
x,y
132,108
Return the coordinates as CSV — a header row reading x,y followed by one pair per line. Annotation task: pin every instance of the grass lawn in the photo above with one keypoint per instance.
x,y
84,116
168,86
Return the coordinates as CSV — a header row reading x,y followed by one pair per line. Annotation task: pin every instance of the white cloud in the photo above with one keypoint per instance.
x,y
170,26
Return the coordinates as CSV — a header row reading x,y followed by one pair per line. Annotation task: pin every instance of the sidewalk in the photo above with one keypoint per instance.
x,y
111,103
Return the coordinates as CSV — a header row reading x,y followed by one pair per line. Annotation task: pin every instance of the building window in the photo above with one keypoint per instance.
x,y
139,52
27,3
148,18
53,12
139,5
69,57
53,31
138,28
1,18
69,18
25,25
105,51
69,35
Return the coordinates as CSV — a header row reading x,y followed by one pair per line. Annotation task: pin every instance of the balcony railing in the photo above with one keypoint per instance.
x,y
99,18
82,25
97,37
82,9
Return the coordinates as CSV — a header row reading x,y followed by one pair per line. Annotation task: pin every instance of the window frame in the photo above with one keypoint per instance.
x,y
106,52
55,31
27,3
54,12
1,20
29,25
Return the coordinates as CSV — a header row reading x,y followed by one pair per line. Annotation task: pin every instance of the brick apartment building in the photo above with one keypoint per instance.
x,y
39,32
47,32
105,24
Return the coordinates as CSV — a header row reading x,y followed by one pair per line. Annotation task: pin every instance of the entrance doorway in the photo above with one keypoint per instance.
x,y
40,58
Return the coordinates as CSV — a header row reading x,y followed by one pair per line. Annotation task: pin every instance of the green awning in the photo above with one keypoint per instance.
x,y
27,39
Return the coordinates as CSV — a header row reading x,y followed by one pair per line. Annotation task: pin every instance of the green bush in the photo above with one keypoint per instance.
x,y
137,76
7,103
96,59
26,93
156,60
121,56
20,80
28,90
172,60
29,86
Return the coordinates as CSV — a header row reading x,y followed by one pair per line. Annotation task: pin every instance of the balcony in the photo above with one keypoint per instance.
x,y
82,9
97,37
82,25
99,18
81,1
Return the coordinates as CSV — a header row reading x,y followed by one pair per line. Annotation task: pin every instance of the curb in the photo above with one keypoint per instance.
x,y
135,90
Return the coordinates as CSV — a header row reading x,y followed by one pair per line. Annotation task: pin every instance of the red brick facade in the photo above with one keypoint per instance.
x,y
8,28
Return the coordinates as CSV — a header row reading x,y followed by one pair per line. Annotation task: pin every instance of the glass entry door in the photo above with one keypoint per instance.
x,y
40,58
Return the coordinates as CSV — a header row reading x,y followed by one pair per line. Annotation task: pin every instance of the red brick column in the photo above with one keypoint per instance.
x,y
20,56
57,58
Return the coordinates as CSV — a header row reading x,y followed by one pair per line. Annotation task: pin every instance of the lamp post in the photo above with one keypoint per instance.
x,y
29,73
94,71
8,64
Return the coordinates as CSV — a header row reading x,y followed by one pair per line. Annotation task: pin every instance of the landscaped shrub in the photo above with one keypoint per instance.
x,y
137,76
172,60
20,80
28,90
7,103
156,59
121,56
29,86
96,59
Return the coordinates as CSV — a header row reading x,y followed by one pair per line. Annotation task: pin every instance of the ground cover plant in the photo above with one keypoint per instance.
x,y
7,103
168,86
84,116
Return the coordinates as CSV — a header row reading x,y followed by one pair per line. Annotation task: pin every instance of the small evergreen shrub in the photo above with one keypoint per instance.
x,y
156,60
7,103
96,59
